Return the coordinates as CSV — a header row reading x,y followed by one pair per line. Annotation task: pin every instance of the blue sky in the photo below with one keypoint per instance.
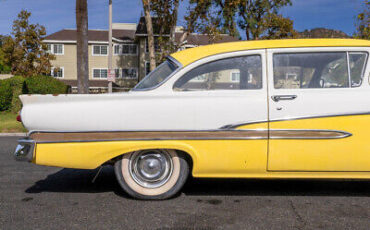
x,y
59,14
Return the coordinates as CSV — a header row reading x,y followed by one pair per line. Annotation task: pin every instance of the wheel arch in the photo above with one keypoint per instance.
x,y
187,151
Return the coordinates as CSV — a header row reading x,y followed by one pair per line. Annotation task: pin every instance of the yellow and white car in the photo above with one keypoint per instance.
x,y
258,109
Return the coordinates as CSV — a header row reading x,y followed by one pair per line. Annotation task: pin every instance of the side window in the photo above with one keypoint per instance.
x,y
318,70
226,74
357,64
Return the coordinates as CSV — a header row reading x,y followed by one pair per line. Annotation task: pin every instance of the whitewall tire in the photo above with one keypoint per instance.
x,y
152,174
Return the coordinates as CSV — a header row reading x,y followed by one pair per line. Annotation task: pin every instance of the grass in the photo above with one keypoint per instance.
x,y
9,123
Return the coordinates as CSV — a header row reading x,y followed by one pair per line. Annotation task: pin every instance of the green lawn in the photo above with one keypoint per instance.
x,y
9,123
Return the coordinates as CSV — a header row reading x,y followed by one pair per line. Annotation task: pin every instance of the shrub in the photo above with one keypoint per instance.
x,y
6,95
44,85
16,84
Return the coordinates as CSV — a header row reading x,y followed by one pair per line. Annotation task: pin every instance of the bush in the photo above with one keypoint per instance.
x,y
16,84
6,95
44,85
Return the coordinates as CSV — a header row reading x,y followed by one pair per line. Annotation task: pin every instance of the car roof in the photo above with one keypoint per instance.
x,y
188,56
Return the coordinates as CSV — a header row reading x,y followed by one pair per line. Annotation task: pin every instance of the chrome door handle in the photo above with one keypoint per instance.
x,y
277,98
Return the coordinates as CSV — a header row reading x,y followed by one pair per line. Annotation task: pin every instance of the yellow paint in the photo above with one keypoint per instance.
x,y
219,157
347,154
241,158
188,56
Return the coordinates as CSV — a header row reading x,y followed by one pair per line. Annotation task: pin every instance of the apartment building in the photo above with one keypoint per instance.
x,y
130,54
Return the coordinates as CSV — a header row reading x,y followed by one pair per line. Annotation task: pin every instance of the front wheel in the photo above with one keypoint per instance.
x,y
153,174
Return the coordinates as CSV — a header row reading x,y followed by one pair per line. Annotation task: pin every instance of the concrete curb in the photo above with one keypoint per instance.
x,y
13,134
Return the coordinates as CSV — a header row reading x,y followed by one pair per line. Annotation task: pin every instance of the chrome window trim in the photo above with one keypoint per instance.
x,y
318,49
169,58
221,56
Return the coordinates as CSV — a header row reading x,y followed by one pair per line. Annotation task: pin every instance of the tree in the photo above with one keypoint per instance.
x,y
203,17
363,22
200,17
278,27
82,47
165,13
25,52
255,17
3,67
150,34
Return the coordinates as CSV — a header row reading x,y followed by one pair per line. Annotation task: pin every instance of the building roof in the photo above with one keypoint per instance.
x,y
128,31
141,27
188,56
93,35
70,35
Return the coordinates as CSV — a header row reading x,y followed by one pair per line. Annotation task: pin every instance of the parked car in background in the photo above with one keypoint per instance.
x,y
250,109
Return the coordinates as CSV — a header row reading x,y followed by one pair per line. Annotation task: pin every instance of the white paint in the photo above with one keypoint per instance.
x,y
321,101
165,109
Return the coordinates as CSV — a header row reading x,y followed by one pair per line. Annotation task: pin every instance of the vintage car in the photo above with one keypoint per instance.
x,y
248,109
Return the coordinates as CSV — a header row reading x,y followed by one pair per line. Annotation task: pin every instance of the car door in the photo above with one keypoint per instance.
x,y
319,104
224,94
223,90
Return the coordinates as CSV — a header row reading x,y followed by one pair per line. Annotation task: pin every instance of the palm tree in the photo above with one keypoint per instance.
x,y
82,47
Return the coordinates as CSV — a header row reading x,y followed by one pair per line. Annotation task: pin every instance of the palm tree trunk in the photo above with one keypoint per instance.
x,y
174,21
149,29
82,47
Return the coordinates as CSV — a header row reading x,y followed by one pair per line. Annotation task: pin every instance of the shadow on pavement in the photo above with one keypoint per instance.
x,y
80,181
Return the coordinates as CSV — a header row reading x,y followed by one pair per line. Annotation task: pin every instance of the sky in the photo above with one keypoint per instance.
x,y
59,14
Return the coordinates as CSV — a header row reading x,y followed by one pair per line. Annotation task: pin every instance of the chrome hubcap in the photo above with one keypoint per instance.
x,y
151,168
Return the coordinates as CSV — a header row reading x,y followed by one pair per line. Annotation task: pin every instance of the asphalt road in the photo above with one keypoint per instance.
x,y
39,197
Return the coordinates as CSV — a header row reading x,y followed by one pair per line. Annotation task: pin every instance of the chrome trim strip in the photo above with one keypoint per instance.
x,y
341,134
143,131
269,134
233,126
174,60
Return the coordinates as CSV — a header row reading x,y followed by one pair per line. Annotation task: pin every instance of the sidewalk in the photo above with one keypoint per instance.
x,y
13,134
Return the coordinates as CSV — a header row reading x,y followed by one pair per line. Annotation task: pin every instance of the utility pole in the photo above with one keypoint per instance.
x,y
110,70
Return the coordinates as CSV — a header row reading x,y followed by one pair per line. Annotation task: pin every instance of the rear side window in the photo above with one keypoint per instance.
x,y
226,74
357,64
319,70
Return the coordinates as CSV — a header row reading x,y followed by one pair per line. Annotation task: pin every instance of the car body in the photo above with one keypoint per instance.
x,y
249,109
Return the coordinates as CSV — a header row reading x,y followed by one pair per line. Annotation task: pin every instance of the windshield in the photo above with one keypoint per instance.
x,y
157,76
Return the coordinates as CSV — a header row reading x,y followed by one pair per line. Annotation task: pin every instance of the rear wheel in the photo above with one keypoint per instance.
x,y
152,174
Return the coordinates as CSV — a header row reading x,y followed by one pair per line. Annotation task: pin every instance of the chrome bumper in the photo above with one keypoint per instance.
x,y
24,150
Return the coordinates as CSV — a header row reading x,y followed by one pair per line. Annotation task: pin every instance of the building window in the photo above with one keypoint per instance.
x,y
100,50
100,73
117,73
124,49
129,73
235,76
157,48
57,49
57,72
147,68
117,49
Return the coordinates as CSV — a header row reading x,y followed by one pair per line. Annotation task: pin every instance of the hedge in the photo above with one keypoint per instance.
x,y
6,95
44,85
16,84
